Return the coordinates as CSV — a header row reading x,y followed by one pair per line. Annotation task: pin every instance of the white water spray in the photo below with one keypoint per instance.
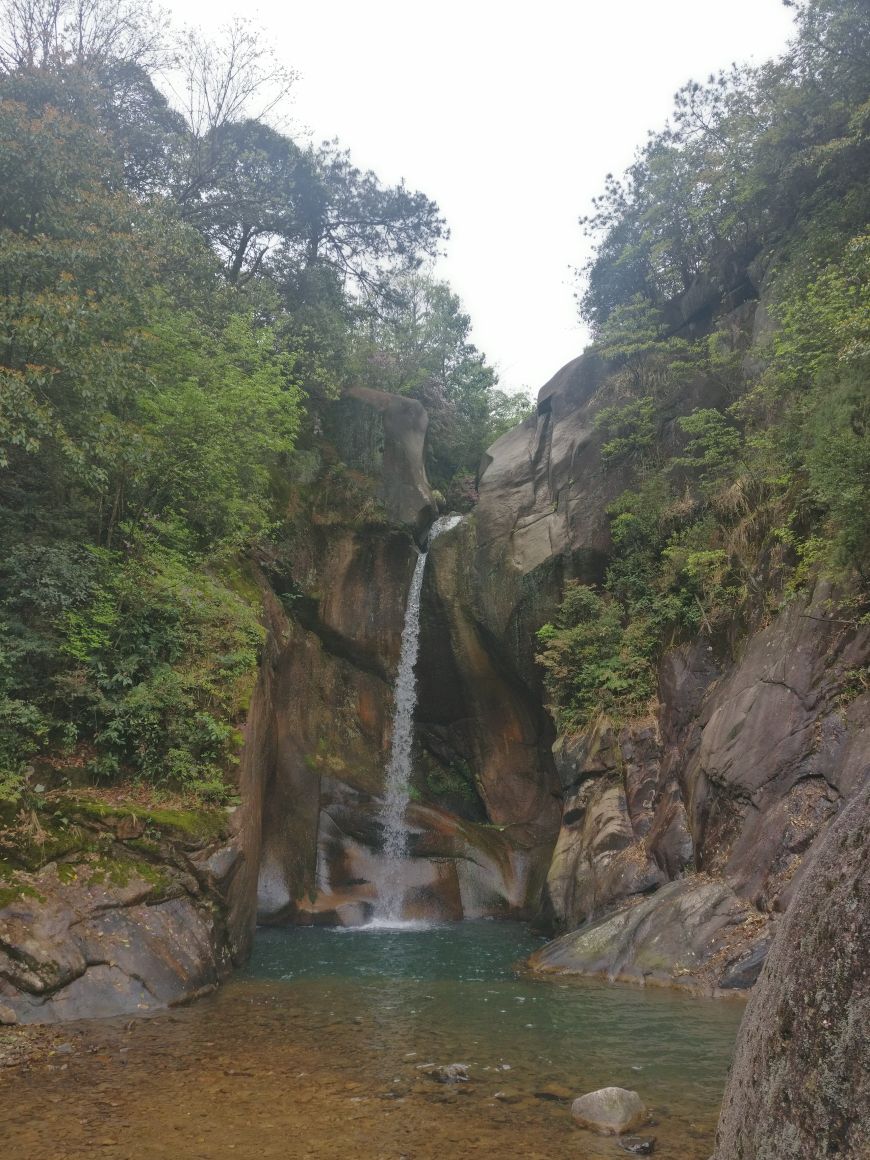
x,y
396,795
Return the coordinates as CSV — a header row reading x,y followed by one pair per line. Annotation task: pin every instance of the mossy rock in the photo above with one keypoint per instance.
x,y
192,826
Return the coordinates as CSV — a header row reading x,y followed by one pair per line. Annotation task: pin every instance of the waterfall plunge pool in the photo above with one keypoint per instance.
x,y
314,1050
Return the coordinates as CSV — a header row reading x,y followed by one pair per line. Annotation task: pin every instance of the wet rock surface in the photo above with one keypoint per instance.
x,y
638,1146
690,934
484,819
609,1111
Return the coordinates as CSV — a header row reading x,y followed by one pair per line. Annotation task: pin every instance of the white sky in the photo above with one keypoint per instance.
x,y
509,117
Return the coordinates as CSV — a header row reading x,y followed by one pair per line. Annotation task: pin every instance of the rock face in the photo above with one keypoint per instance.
x,y
484,817
116,932
610,1111
403,485
732,780
800,1080
694,935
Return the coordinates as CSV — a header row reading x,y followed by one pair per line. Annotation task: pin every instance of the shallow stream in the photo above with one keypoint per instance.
x,y
318,1049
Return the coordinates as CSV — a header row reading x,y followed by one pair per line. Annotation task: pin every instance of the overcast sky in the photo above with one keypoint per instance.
x,y
509,117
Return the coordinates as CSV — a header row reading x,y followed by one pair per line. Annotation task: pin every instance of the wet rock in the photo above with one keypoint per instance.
x,y
609,1111
508,1096
636,1146
445,1073
554,1091
745,971
353,913
685,935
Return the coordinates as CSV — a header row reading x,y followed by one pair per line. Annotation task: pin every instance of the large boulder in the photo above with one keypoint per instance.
x,y
799,1086
403,486
135,927
695,934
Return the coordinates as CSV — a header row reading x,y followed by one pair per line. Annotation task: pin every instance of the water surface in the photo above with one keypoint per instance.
x,y
317,1050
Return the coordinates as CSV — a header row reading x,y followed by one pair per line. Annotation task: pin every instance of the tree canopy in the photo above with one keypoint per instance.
x,y
183,288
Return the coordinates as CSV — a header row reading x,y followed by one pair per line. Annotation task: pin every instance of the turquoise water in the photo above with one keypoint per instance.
x,y
322,1049
452,993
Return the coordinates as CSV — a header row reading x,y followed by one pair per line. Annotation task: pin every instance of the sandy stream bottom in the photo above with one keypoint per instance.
x,y
317,1048
246,1074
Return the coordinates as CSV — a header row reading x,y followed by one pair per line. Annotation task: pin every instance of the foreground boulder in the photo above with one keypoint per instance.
x,y
800,1081
122,911
610,1111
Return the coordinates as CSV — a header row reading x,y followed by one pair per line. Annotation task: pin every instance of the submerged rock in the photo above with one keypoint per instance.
x,y
445,1073
609,1111
635,1146
508,1096
554,1091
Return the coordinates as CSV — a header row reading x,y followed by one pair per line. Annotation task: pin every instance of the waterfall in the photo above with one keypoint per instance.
x,y
396,787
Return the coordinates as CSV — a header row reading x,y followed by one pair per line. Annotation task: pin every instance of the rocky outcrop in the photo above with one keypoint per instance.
x,y
733,779
128,916
800,1079
329,699
695,934
605,851
402,483
484,816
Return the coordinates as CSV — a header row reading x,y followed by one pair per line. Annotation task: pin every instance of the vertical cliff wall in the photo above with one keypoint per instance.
x,y
683,833
483,814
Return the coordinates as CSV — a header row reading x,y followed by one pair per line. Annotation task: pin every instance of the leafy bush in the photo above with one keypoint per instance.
x,y
147,660
595,660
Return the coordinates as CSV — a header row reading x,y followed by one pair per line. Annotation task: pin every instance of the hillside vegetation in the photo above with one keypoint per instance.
x,y
183,291
729,296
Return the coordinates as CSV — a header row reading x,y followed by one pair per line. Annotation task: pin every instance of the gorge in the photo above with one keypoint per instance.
x,y
418,757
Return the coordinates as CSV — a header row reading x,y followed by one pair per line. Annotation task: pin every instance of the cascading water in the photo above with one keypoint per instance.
x,y
396,796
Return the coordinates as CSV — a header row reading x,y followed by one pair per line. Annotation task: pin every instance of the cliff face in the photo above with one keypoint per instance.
x,y
482,819
682,835
664,849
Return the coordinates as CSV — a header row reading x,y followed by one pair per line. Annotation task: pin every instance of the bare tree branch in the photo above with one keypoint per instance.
x,y
37,34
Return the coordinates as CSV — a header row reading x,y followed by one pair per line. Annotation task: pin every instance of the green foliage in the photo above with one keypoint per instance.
x,y
630,431
712,453
147,659
594,661
172,288
736,505
455,780
419,344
